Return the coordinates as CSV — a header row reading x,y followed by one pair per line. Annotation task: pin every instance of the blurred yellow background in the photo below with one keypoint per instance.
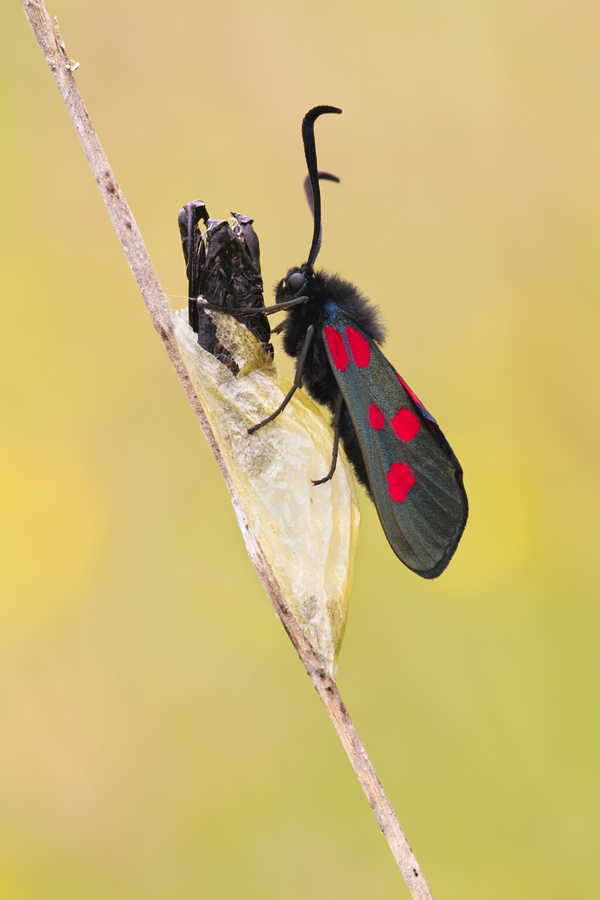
x,y
159,736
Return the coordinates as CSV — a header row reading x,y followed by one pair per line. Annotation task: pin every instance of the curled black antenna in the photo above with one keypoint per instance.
x,y
323,176
310,152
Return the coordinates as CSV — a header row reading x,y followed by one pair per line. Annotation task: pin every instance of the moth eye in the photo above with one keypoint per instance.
x,y
295,282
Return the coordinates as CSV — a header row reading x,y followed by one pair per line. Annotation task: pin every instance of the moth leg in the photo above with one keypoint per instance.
x,y
257,311
336,438
297,382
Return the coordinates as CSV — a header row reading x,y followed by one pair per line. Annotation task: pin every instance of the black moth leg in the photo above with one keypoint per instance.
x,y
336,438
297,382
258,311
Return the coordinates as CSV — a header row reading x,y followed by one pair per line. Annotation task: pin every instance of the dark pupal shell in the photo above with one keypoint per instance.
x,y
223,268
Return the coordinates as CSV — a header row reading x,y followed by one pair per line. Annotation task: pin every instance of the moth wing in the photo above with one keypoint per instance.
x,y
415,478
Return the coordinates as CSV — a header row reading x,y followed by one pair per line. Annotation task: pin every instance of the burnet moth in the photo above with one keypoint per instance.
x,y
396,447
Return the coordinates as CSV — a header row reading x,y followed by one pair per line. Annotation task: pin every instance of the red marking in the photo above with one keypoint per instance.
x,y
408,390
400,480
359,346
376,417
337,348
405,424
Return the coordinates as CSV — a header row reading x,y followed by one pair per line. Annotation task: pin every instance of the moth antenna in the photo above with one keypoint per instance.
x,y
323,176
310,152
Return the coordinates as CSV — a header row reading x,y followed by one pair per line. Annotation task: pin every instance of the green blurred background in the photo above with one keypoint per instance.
x,y
159,736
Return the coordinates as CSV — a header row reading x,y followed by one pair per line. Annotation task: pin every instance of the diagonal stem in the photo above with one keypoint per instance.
x,y
53,48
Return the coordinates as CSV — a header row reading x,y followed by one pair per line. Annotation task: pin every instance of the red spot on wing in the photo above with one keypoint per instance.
x,y
337,348
400,480
405,424
359,347
408,391
376,417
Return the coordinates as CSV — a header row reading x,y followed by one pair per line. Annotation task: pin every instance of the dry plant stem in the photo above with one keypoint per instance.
x,y
54,50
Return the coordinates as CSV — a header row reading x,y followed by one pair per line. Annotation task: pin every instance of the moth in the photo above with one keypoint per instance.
x,y
397,449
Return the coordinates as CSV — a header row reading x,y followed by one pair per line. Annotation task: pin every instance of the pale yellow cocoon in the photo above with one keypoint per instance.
x,y
307,532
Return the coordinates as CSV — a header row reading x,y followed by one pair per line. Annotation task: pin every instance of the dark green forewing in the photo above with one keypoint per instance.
x,y
416,480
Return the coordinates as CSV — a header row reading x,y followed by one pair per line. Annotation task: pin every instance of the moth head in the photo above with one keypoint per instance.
x,y
295,284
